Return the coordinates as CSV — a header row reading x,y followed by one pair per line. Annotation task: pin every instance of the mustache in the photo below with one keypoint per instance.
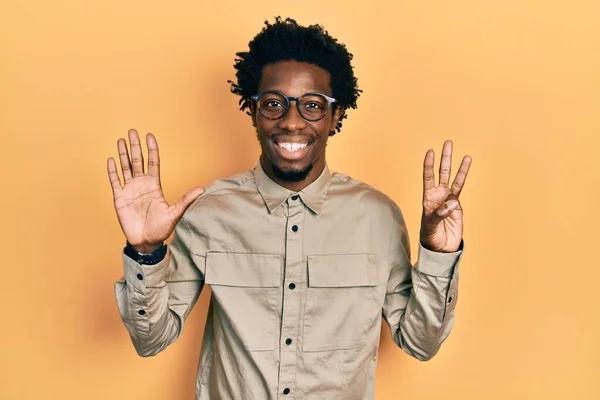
x,y
277,136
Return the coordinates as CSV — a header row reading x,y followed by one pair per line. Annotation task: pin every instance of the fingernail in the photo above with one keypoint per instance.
x,y
452,204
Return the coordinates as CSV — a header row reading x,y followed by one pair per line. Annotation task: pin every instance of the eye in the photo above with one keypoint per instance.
x,y
272,104
314,105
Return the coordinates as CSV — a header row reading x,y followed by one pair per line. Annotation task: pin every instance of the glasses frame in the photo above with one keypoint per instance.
x,y
288,99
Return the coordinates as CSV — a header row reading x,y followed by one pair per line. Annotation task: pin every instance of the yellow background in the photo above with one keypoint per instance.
x,y
515,84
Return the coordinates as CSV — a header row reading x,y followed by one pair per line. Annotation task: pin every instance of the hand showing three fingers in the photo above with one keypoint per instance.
x,y
145,216
442,218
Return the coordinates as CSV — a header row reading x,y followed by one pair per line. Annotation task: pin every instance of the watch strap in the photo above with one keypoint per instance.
x,y
147,259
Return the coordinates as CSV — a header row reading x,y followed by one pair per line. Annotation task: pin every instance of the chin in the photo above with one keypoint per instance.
x,y
291,174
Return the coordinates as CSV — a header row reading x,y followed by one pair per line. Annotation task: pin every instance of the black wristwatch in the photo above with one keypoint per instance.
x,y
147,259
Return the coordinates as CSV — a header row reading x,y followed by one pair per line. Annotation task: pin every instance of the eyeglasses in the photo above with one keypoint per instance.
x,y
274,105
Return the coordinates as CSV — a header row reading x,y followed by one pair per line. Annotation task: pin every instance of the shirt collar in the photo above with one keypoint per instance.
x,y
274,195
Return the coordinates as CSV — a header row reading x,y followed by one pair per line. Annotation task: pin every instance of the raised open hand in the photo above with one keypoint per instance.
x,y
442,219
145,217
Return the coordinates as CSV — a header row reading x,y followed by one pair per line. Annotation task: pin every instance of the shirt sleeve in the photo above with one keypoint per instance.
x,y
419,301
155,300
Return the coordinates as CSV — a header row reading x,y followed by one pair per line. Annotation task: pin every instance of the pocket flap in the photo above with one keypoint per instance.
x,y
342,270
243,269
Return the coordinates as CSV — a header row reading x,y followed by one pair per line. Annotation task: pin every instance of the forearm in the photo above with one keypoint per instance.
x,y
143,302
152,326
429,316
420,301
155,300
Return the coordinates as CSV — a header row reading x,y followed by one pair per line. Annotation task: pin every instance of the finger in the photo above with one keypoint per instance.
x,y
461,176
446,163
446,209
137,157
177,209
113,177
124,160
153,158
453,202
428,175
440,213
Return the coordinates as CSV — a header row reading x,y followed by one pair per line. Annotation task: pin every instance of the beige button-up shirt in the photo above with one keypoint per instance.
x,y
299,284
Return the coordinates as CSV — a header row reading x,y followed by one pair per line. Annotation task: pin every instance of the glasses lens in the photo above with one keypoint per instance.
x,y
272,105
313,106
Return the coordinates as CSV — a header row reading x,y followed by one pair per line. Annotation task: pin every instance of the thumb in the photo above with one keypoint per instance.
x,y
188,198
449,205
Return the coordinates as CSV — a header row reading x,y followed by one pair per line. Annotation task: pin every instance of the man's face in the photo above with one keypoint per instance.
x,y
293,149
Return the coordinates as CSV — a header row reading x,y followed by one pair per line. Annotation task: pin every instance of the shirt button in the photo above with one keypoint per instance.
x,y
450,299
288,341
286,391
292,286
141,312
295,197
140,276
295,228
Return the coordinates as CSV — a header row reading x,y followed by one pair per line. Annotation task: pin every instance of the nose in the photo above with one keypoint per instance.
x,y
292,120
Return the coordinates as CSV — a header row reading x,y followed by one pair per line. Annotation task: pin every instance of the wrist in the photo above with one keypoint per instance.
x,y
440,249
147,248
153,256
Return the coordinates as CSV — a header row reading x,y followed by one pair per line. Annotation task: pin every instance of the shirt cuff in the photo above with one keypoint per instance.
x,y
141,276
436,263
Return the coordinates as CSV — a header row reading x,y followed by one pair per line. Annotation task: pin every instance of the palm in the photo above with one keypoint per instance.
x,y
144,215
446,234
442,222
143,211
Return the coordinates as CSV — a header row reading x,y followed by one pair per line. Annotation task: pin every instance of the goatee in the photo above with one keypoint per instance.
x,y
291,175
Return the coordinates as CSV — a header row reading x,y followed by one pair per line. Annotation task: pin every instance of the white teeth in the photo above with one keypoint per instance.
x,y
292,147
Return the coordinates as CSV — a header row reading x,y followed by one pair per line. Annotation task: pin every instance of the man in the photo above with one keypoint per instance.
x,y
302,261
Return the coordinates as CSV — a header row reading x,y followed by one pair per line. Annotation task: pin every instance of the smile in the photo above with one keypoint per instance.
x,y
291,147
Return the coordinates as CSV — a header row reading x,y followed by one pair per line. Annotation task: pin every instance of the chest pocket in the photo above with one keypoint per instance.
x,y
341,301
245,289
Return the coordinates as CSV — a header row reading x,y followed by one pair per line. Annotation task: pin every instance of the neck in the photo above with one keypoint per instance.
x,y
292,185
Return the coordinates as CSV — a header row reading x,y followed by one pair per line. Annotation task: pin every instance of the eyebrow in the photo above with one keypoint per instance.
x,y
283,92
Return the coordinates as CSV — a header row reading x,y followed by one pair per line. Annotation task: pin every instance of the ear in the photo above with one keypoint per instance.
x,y
252,112
335,118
